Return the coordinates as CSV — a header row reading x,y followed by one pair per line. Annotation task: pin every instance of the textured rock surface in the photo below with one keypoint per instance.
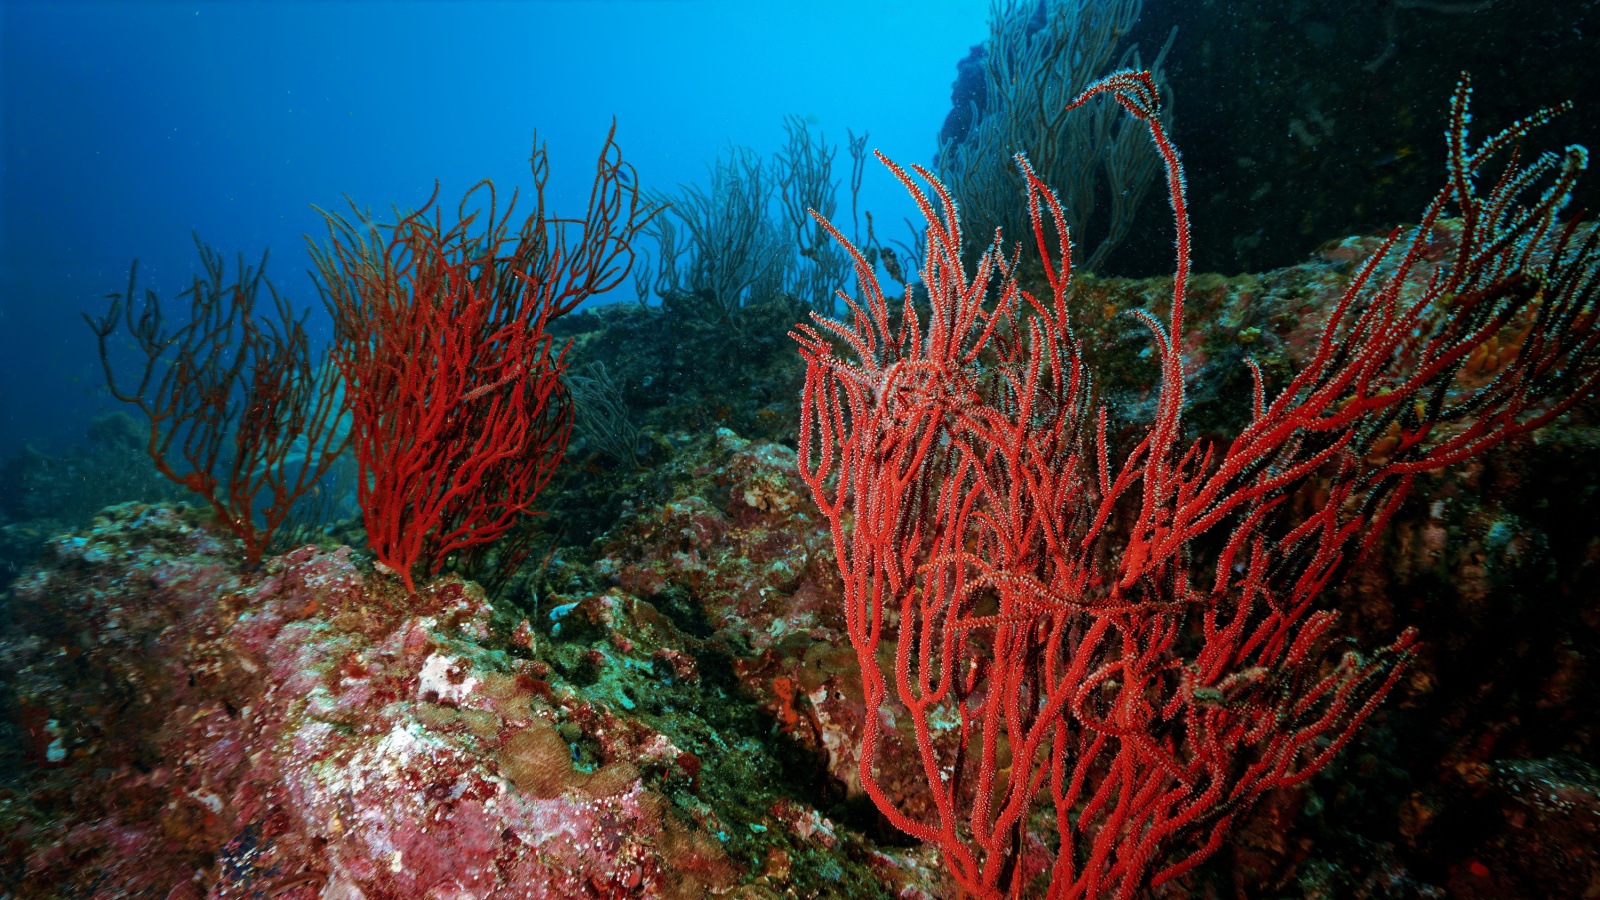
x,y
312,732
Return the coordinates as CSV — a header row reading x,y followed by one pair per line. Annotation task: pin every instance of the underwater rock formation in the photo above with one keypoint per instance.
x,y
184,727
311,727
191,728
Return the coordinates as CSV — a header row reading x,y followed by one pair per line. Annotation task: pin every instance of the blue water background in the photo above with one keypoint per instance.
x,y
127,126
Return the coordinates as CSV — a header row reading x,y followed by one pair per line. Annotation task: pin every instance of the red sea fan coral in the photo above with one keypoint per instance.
x,y
1127,634
240,410
459,416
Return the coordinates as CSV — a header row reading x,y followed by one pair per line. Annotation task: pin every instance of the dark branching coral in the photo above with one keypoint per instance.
x,y
1038,57
239,409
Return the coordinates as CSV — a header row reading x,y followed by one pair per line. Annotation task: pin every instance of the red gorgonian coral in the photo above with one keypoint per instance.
x,y
459,416
1060,631
239,408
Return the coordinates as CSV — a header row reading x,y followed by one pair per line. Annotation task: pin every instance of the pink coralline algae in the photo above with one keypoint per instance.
x,y
311,732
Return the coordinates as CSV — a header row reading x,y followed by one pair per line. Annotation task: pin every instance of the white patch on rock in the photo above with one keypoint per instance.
x,y
437,681
208,800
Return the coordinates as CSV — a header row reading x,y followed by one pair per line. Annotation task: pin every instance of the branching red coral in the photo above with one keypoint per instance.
x,y
1060,630
459,414
239,411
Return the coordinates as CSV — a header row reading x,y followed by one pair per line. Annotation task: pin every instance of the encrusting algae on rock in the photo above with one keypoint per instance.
x,y
311,731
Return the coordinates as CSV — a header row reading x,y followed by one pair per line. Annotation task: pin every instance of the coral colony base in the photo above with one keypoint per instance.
x,y
1057,618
